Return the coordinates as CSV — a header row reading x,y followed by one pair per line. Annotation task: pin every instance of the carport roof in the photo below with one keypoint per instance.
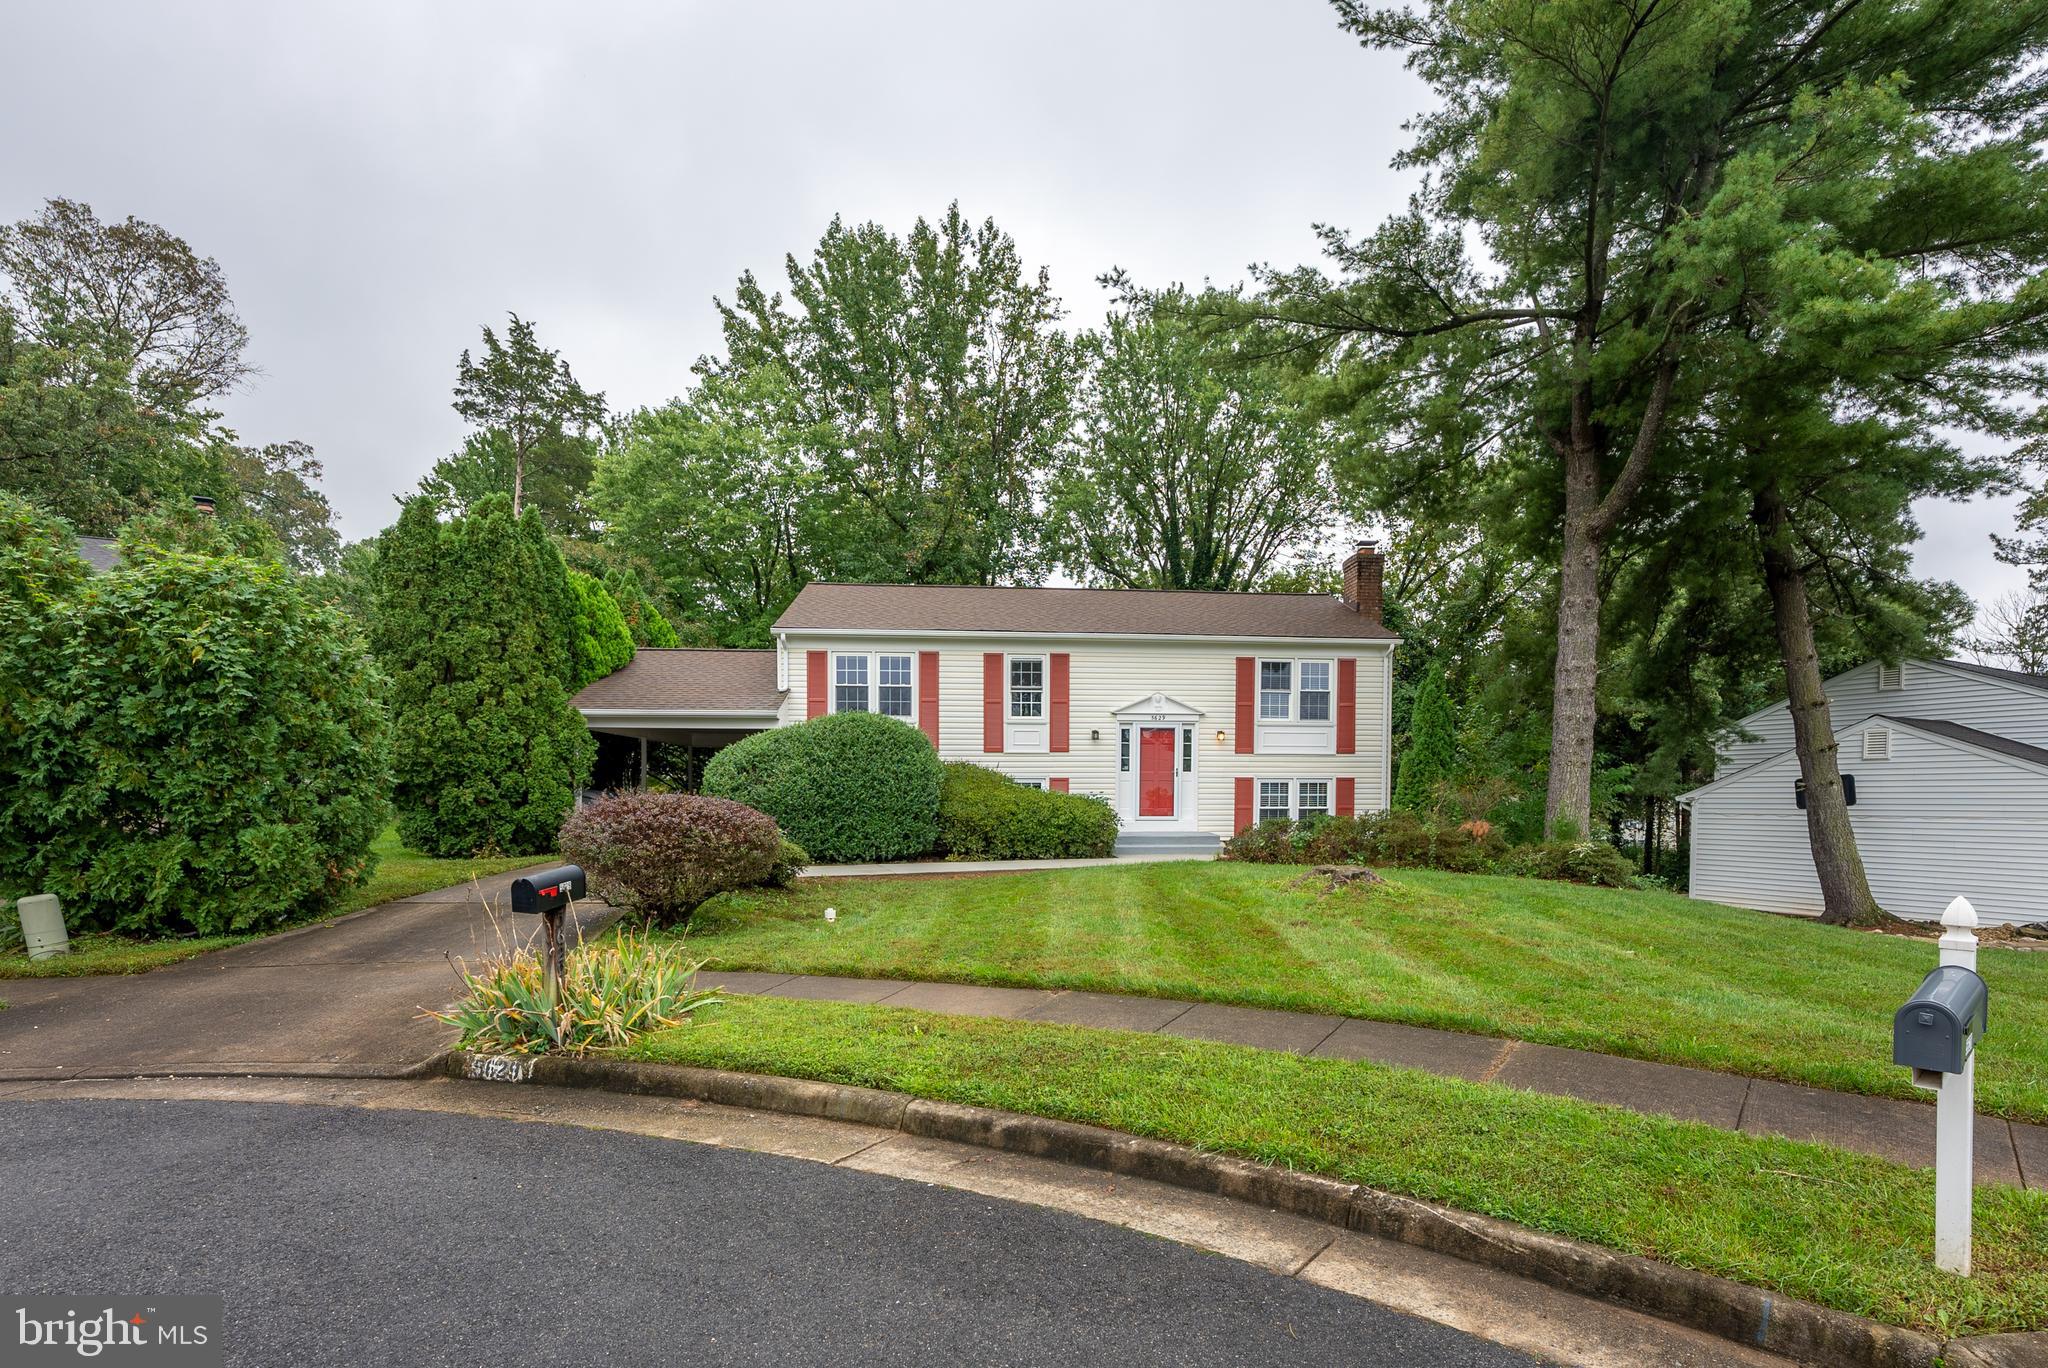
x,y
685,680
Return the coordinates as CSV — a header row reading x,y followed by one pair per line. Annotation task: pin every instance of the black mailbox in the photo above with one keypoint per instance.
x,y
548,891
1939,1025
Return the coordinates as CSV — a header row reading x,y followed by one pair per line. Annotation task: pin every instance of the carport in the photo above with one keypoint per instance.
x,y
688,702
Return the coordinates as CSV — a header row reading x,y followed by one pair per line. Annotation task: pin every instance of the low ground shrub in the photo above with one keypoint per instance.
x,y
660,855
790,861
611,994
847,786
1406,839
984,815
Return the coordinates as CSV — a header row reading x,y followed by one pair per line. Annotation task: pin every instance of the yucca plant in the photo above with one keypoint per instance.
x,y
611,993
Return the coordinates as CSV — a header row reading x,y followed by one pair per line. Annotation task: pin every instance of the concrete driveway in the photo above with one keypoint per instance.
x,y
340,998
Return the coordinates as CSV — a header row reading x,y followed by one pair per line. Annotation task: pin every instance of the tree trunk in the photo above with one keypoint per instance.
x,y
1845,891
518,476
1577,678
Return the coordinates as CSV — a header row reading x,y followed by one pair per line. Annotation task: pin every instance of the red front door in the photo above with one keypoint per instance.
x,y
1155,771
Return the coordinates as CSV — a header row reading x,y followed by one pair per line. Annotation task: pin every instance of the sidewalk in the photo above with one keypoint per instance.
x,y
2011,1153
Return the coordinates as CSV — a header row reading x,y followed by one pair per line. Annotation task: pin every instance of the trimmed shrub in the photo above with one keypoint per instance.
x,y
790,861
1586,862
612,993
195,744
472,625
985,815
847,786
660,855
601,642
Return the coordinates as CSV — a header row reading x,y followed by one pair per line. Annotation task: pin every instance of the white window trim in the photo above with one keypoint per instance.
x,y
1044,717
1293,664
874,659
1294,812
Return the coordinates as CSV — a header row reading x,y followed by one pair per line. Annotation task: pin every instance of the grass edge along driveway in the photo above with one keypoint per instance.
x,y
1843,1230
1648,975
400,873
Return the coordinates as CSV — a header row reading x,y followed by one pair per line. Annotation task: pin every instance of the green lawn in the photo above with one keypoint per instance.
x,y
1644,974
400,873
1840,1229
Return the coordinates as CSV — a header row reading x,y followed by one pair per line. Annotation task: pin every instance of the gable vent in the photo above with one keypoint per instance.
x,y
1877,744
1891,678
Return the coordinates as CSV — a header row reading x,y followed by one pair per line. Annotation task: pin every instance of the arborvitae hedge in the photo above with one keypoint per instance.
x,y
601,642
1432,754
192,742
475,619
643,619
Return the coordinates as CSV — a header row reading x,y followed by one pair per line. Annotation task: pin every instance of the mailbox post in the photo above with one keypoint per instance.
x,y
550,893
1935,1034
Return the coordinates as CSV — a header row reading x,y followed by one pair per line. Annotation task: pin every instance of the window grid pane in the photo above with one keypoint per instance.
x,y
1274,799
1276,687
850,683
1187,750
893,694
1315,690
1315,796
1123,755
1027,688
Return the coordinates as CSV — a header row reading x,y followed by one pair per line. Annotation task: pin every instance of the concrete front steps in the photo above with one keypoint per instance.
x,y
1186,845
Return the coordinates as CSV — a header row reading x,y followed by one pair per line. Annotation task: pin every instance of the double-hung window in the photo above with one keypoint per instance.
x,y
875,683
850,684
1275,800
1276,689
1027,687
1315,691
1312,795
893,689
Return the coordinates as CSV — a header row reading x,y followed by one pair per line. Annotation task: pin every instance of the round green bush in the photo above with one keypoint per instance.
x,y
661,855
194,744
847,787
986,815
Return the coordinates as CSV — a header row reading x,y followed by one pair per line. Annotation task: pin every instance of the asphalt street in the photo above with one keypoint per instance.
x,y
341,1236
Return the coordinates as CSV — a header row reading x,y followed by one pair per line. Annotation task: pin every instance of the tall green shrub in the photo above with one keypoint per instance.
x,y
473,626
986,815
193,742
643,619
847,787
601,642
1432,754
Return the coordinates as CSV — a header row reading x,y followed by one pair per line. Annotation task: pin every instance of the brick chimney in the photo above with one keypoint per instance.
x,y
1362,571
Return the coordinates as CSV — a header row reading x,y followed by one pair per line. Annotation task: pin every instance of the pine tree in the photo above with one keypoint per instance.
x,y
1432,754
471,613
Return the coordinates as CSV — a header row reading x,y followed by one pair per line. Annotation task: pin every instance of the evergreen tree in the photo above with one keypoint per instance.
x,y
1432,754
601,642
470,624
643,619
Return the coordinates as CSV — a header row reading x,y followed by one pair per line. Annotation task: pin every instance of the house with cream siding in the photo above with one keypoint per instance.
x,y
1949,766
1194,713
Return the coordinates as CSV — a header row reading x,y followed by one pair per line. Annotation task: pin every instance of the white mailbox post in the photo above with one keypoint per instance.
x,y
1955,1114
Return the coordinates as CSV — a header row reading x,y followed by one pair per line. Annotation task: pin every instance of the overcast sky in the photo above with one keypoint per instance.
x,y
378,180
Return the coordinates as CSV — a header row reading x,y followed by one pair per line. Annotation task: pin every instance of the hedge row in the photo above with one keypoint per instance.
x,y
1403,838
984,815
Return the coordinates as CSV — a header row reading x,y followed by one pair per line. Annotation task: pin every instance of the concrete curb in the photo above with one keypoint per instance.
x,y
1718,1306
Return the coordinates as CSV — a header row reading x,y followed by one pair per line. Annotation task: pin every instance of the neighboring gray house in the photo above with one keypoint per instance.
x,y
101,553
1950,766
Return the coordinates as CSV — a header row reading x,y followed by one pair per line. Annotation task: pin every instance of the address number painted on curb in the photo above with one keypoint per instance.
x,y
499,1069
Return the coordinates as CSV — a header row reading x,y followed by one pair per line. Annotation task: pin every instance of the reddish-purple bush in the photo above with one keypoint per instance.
x,y
661,855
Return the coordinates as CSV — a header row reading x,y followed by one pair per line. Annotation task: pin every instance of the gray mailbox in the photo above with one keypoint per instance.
x,y
548,891
1939,1025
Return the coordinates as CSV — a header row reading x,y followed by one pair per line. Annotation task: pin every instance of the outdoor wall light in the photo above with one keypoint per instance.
x,y
1094,734
1219,736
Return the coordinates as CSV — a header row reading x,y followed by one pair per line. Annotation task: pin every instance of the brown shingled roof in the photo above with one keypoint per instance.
x,y
1059,612
685,680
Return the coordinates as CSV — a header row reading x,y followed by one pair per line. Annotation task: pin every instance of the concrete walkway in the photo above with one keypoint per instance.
x,y
338,998
2012,1153
900,867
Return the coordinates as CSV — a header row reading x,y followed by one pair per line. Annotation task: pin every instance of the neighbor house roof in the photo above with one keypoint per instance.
x,y
1074,612
1983,740
672,680
101,553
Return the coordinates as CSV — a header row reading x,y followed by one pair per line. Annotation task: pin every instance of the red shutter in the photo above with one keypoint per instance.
x,y
992,702
1056,785
1057,704
1244,804
1347,796
928,695
814,683
1247,699
1347,706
